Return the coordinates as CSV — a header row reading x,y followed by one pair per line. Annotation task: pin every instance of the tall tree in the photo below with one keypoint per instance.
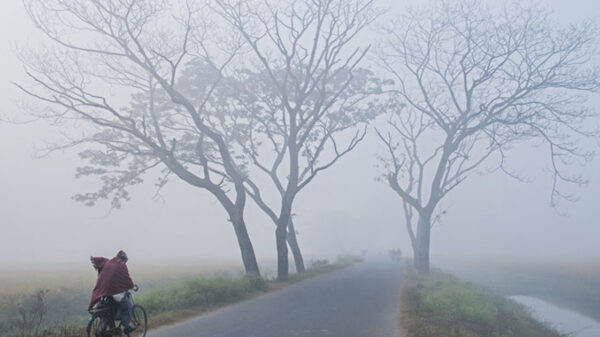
x,y
476,81
306,91
106,51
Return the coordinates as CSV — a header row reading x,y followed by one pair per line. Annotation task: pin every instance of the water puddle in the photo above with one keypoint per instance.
x,y
563,320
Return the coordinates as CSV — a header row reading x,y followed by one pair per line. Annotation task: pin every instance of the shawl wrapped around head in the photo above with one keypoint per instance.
x,y
113,278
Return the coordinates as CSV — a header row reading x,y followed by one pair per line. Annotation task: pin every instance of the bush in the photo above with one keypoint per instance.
x,y
314,264
32,314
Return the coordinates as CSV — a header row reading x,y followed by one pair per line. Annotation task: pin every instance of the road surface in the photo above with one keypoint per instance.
x,y
360,301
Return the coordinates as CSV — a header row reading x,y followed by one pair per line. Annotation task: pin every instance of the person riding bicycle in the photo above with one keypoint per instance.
x,y
114,280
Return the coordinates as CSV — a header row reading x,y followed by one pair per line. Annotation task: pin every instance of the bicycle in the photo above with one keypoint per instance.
x,y
106,312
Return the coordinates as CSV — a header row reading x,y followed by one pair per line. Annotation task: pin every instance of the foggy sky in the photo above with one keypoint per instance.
x,y
343,211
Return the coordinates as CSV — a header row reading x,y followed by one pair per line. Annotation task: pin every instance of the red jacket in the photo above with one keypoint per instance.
x,y
113,278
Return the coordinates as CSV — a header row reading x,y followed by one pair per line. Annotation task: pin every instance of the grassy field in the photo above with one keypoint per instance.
x,y
170,293
69,288
571,285
440,305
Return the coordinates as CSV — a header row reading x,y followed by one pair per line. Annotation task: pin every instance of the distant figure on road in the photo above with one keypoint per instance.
x,y
395,254
114,280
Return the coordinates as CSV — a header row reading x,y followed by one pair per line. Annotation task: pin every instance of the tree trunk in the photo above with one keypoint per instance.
x,y
409,227
246,248
282,251
285,216
421,259
295,248
414,250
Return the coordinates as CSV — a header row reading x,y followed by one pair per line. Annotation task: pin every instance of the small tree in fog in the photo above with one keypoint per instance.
x,y
476,81
32,313
307,96
114,70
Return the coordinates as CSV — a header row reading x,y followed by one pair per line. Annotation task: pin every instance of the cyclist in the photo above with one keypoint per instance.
x,y
114,280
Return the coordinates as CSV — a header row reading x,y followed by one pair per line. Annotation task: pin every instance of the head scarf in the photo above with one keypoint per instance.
x,y
122,255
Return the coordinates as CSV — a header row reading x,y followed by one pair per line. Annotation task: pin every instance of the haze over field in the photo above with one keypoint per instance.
x,y
343,211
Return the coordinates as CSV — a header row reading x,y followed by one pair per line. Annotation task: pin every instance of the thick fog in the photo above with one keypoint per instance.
x,y
345,210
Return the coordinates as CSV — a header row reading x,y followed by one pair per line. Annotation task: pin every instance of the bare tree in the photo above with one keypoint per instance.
x,y
476,81
115,71
265,139
306,92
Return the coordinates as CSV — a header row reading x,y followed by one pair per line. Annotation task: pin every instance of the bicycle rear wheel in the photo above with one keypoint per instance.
x,y
140,320
98,327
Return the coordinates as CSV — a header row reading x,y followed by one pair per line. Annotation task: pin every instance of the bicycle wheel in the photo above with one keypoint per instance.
x,y
139,318
98,327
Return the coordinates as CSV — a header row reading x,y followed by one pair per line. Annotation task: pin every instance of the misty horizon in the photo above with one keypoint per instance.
x,y
489,216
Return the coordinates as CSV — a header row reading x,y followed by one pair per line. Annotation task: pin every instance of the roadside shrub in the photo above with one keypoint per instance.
x,y
31,312
319,263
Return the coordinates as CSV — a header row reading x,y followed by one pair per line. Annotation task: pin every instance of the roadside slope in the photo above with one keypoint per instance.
x,y
441,305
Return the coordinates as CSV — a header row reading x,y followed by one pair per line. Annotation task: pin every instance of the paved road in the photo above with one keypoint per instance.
x,y
360,301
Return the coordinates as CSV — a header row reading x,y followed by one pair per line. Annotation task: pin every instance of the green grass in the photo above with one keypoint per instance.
x,y
442,305
201,292
575,286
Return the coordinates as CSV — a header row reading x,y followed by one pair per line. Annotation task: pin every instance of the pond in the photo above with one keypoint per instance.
x,y
564,320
